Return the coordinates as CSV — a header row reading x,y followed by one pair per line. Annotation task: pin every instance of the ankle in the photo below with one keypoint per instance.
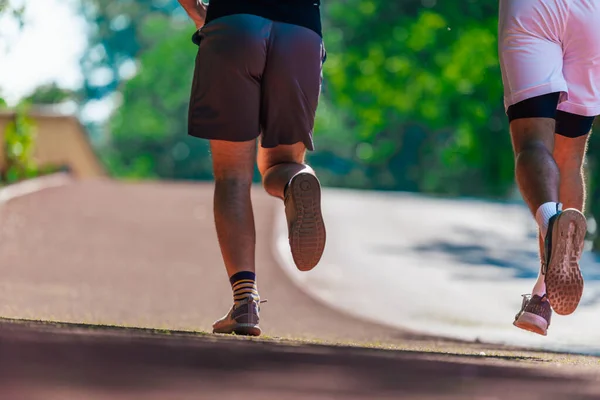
x,y
544,213
540,285
244,286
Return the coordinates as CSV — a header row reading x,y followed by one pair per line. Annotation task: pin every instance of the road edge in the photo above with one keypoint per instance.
x,y
283,257
34,185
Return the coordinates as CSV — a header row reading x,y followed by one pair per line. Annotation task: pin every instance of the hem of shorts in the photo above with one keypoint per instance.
x,y
224,139
539,90
309,146
317,30
578,109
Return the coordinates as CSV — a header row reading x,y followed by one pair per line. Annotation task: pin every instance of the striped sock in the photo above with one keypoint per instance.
x,y
244,286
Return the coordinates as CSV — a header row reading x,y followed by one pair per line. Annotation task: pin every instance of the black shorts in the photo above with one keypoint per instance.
x,y
255,76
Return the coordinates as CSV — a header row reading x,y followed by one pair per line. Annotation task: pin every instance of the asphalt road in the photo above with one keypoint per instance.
x,y
57,363
145,255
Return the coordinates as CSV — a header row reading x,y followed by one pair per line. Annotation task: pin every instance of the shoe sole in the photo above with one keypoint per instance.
x,y
307,232
532,323
242,330
564,283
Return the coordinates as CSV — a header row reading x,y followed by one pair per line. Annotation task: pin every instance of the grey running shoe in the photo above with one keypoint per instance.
x,y
242,319
306,229
535,314
563,246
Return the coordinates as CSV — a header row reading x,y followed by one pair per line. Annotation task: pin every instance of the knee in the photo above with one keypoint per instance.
x,y
533,146
535,154
231,194
233,183
532,135
571,170
569,161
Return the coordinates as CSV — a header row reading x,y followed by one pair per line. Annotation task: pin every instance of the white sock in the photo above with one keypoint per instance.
x,y
542,216
544,213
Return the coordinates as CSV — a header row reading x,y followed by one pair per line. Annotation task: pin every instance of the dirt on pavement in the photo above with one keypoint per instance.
x,y
69,362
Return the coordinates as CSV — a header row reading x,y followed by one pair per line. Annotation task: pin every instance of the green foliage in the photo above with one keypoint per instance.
x,y
19,142
49,94
149,130
593,178
116,38
414,85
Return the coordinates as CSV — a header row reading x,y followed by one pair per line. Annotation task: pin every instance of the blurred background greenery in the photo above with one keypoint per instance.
x,y
412,97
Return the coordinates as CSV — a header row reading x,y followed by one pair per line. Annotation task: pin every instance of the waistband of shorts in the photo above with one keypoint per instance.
x,y
307,17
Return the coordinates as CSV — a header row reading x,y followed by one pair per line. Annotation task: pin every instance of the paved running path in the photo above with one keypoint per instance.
x,y
146,255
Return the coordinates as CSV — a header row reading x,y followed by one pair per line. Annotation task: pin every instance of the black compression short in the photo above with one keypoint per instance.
x,y
544,106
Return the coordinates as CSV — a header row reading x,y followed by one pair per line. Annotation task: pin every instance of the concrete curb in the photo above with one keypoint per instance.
x,y
34,185
327,284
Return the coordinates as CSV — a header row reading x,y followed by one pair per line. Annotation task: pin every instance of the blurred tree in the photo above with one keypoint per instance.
x,y
19,141
593,180
19,135
116,40
142,49
149,130
50,94
427,79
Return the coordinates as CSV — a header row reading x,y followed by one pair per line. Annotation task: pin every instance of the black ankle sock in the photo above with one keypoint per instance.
x,y
244,285
242,276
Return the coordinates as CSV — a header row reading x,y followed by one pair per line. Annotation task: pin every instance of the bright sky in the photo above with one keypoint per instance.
x,y
47,49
